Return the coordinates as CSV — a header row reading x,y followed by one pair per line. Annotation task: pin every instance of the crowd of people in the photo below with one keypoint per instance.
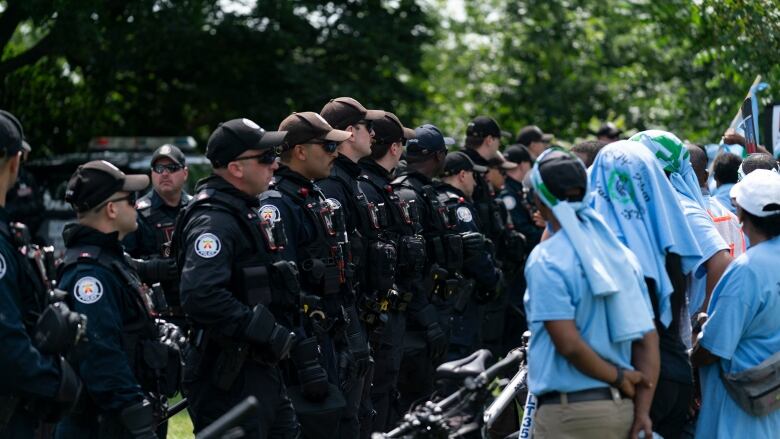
x,y
328,267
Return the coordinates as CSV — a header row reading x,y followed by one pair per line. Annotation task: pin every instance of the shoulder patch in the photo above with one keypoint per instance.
x,y
88,290
271,193
207,245
464,214
334,203
3,266
269,212
143,204
509,202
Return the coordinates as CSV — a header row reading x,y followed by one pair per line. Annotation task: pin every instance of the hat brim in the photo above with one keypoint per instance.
x,y
374,114
449,141
508,165
479,168
135,183
337,135
547,138
409,133
271,139
26,146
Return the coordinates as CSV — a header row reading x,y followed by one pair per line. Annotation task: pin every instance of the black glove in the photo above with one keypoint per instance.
x,y
59,329
263,330
473,244
152,271
513,247
311,374
138,420
437,340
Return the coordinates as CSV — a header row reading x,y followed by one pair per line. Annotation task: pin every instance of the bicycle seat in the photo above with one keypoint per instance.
x,y
462,368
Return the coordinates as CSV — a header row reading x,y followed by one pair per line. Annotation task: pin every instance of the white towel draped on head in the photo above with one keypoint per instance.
x,y
611,270
637,201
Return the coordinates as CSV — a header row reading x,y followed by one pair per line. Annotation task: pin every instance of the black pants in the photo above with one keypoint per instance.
x,y
670,407
387,364
276,417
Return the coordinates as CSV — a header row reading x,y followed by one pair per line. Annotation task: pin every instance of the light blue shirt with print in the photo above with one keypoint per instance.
x,y
743,330
558,290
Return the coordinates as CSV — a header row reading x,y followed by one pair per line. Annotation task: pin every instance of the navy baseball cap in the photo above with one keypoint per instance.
x,y
233,137
428,140
11,133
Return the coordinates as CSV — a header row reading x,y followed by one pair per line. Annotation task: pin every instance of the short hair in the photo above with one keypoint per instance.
x,y
698,156
758,161
473,142
767,225
725,168
589,148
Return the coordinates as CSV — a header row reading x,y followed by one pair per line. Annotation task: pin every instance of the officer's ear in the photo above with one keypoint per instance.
x,y
186,172
236,169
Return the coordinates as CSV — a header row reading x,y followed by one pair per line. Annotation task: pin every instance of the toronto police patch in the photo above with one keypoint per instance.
x,y
88,290
464,214
269,212
207,245
509,202
3,267
334,203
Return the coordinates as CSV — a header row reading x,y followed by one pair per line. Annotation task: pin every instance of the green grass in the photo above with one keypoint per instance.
x,y
180,426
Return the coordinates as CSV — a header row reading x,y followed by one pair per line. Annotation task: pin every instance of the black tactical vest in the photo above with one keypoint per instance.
x,y
163,225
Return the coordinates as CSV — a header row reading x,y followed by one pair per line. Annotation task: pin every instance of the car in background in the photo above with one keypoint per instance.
x,y
130,154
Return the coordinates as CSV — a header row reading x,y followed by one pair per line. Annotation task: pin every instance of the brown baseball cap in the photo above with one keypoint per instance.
x,y
343,112
307,126
389,129
94,182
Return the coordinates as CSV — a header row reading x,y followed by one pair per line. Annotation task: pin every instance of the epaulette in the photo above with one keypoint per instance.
x,y
269,194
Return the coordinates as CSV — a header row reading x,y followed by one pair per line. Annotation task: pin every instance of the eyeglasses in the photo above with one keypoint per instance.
x,y
171,168
369,124
328,145
131,199
265,158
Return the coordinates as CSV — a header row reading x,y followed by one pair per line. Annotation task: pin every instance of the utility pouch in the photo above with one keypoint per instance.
x,y
411,255
454,252
756,390
381,266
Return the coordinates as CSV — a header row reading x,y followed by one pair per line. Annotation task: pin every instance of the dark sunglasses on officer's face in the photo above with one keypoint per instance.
x,y
266,158
131,199
328,145
171,168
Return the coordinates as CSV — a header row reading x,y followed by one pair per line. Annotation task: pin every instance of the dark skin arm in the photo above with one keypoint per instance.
x,y
716,265
700,356
568,342
646,358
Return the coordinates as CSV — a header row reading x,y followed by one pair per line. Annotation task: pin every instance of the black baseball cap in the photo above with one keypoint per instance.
x,y
307,126
562,171
389,129
498,161
94,182
533,133
343,112
459,161
518,154
11,133
233,137
171,152
427,140
483,126
608,129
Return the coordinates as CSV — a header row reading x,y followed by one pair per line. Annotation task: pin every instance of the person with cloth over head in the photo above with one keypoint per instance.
x,y
235,286
743,328
637,201
37,385
593,346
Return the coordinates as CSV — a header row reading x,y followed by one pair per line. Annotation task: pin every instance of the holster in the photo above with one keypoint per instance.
x,y
380,266
465,290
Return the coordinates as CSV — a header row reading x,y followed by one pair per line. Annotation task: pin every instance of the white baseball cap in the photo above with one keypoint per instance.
x,y
758,193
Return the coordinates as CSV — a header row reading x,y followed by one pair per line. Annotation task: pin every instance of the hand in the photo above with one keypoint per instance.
x,y
642,422
538,220
631,380
314,382
473,244
437,340
731,137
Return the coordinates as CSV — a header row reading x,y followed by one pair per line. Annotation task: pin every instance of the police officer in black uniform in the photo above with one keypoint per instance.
x,y
428,314
38,384
342,188
483,138
481,276
399,227
25,200
315,230
157,213
126,368
234,286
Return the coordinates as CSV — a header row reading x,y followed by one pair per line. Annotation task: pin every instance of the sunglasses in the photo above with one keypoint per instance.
x,y
369,124
328,145
265,158
131,199
171,168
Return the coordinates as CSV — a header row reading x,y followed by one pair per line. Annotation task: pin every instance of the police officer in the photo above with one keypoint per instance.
x,y
315,230
38,384
483,138
458,182
157,213
426,337
25,200
342,188
122,367
400,227
233,285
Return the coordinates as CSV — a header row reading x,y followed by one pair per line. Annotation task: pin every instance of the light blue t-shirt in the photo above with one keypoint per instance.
x,y
558,290
721,193
710,242
743,330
